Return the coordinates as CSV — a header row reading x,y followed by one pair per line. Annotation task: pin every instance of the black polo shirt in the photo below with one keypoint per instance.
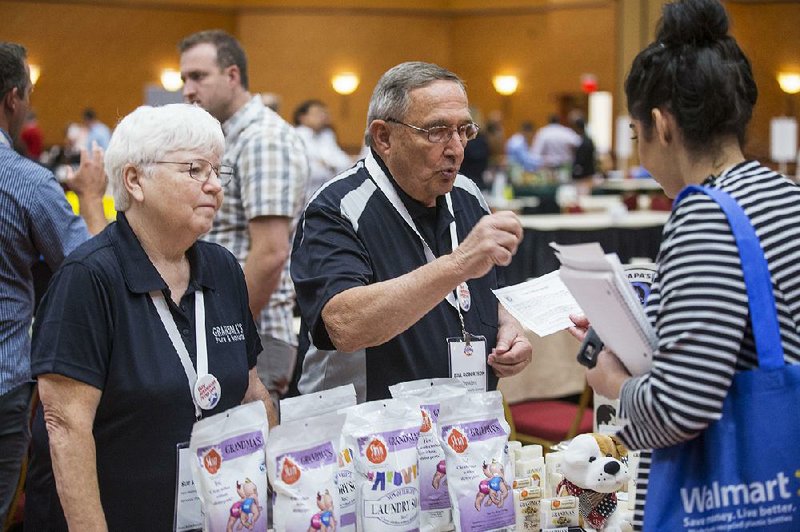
x,y
97,325
350,235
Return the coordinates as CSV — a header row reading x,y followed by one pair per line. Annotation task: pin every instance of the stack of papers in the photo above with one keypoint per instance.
x,y
596,285
599,284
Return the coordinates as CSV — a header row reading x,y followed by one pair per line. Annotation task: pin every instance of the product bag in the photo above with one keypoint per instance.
x,y
317,403
302,466
474,434
383,435
436,513
330,401
230,470
743,471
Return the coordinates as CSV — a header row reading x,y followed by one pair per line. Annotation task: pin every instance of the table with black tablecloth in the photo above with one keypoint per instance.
x,y
635,234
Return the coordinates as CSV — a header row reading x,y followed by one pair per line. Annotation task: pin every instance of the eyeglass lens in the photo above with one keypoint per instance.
x,y
201,171
443,133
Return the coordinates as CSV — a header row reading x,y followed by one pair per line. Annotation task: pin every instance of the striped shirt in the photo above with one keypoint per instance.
x,y
35,221
698,307
270,178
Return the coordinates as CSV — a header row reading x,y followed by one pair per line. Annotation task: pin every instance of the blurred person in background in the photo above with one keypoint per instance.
x,y
496,137
584,164
36,222
32,137
325,157
519,146
476,155
96,131
554,144
265,197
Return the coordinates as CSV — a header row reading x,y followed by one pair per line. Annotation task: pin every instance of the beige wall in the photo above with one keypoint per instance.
x,y
769,34
97,56
295,55
104,53
547,49
534,46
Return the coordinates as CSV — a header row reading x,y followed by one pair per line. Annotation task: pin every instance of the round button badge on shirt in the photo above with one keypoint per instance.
x,y
207,391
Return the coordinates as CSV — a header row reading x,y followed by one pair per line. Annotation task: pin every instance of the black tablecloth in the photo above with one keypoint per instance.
x,y
535,257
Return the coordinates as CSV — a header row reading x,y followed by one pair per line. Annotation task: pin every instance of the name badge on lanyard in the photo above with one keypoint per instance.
x,y
468,361
204,387
205,391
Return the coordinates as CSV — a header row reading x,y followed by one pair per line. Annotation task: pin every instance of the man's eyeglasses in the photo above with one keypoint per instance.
x,y
437,134
201,170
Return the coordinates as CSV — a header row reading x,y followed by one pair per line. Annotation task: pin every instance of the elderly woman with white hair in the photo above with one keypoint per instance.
x,y
125,319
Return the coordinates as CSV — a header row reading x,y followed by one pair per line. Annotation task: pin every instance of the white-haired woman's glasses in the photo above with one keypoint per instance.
x,y
201,170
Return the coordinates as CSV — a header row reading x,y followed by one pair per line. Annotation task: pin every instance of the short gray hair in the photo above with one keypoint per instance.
x,y
149,134
390,99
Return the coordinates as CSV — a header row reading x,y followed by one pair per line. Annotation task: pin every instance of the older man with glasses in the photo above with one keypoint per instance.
x,y
394,261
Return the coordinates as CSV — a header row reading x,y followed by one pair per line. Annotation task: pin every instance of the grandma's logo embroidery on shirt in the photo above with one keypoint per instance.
x,y
228,333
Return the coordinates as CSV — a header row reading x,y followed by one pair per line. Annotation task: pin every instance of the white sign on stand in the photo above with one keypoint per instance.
x,y
623,144
600,106
783,140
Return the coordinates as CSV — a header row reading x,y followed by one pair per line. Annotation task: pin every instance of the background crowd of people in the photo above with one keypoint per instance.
x,y
230,220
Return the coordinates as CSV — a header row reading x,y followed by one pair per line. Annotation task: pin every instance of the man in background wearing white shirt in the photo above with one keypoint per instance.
x,y
325,157
554,144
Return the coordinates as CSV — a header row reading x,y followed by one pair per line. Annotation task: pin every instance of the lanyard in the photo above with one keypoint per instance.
x,y
391,194
177,342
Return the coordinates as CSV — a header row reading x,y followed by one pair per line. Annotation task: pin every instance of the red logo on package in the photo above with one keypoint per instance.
x,y
212,461
290,473
376,451
426,422
457,441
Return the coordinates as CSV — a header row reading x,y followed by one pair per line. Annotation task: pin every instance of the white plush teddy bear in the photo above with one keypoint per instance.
x,y
595,467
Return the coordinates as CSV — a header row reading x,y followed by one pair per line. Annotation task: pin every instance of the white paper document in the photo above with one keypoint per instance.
x,y
542,305
600,286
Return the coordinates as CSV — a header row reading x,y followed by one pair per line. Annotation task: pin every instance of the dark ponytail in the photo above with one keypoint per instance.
x,y
697,72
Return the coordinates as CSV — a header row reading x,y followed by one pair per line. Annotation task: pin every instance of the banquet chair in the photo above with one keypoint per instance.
x,y
550,421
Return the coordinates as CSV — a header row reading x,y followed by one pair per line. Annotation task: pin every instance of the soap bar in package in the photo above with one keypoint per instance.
x,y
559,512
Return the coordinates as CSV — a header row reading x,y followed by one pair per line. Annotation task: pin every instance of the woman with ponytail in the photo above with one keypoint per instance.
x,y
690,96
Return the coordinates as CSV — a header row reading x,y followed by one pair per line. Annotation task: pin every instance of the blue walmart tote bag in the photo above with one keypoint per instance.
x,y
743,471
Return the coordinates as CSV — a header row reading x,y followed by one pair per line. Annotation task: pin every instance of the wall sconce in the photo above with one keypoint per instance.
x,y
171,79
789,82
345,83
506,85
36,71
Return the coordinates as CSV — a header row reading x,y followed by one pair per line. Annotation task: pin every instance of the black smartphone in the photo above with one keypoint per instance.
x,y
590,348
